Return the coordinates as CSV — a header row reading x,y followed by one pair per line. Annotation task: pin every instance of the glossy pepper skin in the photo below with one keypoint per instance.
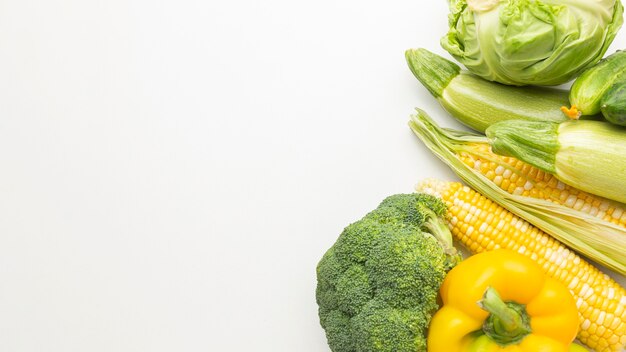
x,y
458,326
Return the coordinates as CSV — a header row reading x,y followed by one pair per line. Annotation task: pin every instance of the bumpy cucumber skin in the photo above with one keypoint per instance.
x,y
613,104
594,82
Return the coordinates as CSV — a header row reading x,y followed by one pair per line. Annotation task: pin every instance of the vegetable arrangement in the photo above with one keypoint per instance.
x,y
481,225
546,184
592,225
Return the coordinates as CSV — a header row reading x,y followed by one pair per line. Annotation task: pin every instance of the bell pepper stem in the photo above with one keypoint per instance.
x,y
508,319
508,322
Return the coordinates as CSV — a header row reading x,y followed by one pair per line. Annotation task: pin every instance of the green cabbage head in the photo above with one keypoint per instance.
x,y
524,42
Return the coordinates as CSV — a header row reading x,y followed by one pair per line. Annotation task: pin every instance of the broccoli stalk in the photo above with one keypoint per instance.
x,y
438,228
378,284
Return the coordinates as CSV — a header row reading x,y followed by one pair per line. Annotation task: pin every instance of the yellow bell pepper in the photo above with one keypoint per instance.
x,y
502,301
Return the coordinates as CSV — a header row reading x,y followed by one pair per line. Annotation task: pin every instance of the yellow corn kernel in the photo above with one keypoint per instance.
x,y
517,177
600,300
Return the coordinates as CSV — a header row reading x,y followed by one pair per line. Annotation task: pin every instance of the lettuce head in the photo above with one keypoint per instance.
x,y
531,42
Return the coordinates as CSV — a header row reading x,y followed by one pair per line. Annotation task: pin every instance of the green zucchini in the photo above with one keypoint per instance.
x,y
613,104
588,155
594,82
479,103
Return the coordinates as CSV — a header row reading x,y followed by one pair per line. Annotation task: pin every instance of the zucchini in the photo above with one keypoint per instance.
x,y
588,155
479,103
613,104
589,88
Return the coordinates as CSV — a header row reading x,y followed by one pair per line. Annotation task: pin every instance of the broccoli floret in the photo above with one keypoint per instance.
x,y
377,285
384,329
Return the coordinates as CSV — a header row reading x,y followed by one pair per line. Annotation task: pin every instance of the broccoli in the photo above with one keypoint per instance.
x,y
377,285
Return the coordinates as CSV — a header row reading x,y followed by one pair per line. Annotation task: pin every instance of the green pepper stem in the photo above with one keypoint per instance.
x,y
508,322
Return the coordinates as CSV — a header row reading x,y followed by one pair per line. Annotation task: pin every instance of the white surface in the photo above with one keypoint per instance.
x,y
172,171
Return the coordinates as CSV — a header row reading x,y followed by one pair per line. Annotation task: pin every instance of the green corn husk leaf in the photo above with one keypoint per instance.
x,y
599,240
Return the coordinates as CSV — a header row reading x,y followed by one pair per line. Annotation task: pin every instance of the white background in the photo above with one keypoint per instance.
x,y
172,171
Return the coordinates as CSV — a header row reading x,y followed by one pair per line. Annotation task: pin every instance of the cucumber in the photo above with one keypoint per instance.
x,y
613,104
594,82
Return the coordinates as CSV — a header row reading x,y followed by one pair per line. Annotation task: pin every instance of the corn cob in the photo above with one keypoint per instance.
x,y
481,225
516,177
592,225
